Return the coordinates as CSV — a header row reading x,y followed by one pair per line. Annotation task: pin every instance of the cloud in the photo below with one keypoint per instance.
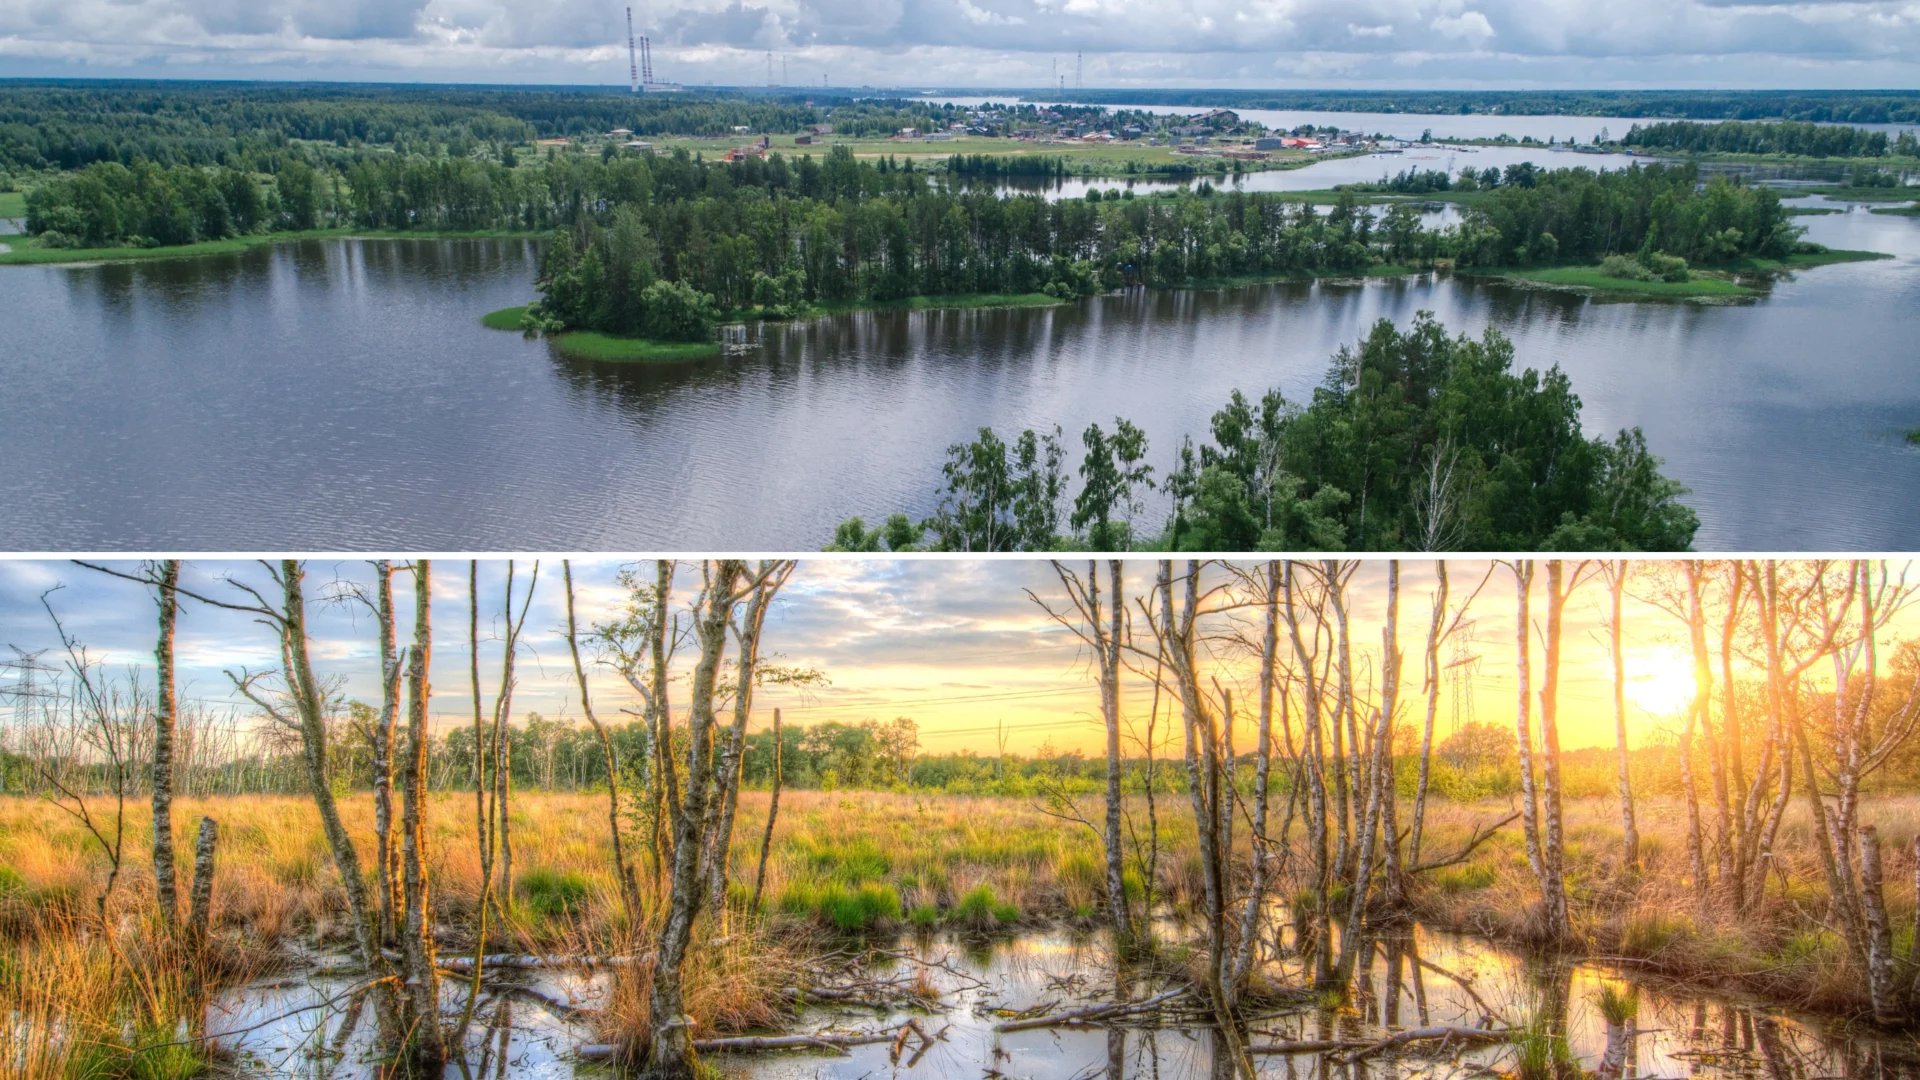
x,y
1444,43
1470,26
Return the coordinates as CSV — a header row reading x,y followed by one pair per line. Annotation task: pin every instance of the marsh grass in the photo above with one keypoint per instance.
x,y
842,862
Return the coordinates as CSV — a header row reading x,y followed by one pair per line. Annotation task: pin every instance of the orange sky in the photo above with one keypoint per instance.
x,y
955,644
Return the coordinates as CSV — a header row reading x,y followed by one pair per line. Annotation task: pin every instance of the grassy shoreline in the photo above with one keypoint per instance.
x,y
1716,281
607,348
39,256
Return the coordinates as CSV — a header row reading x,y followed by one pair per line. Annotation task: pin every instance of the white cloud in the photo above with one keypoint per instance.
x,y
986,42
1469,26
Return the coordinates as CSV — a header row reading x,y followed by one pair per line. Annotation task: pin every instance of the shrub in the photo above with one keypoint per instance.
x,y
676,311
1626,267
1667,267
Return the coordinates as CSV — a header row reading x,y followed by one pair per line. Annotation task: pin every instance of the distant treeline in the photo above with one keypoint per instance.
x,y
1751,137
66,124
1830,106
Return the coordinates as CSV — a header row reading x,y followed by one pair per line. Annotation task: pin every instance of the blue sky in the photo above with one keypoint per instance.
x,y
912,43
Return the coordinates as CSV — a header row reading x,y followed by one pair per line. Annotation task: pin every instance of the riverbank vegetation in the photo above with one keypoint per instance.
x,y
1830,106
1760,835
1794,139
1414,440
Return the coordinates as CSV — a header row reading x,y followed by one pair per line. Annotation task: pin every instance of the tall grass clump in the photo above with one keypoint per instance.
x,y
980,909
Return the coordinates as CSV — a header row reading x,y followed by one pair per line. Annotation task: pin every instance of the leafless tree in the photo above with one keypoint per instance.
x,y
629,888
1103,631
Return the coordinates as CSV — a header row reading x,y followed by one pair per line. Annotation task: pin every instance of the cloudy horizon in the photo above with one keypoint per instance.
x,y
907,44
958,645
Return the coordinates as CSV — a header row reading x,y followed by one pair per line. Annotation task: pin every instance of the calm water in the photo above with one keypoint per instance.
x,y
1418,979
342,395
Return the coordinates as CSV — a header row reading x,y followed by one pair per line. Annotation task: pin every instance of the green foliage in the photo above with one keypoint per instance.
x,y
1465,878
554,894
855,909
1618,1004
1748,137
980,909
1414,441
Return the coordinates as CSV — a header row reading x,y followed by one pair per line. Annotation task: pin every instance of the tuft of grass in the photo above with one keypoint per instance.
x,y
555,894
924,916
607,349
980,909
1648,934
1467,878
1618,1004
862,908
505,318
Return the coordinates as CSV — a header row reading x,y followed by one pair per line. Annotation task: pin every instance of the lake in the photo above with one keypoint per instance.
x,y
342,395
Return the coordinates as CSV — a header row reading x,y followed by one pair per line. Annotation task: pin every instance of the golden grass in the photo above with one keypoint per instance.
x,y
836,857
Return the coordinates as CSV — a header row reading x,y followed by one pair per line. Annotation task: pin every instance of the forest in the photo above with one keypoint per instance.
x,y
1413,441
68,124
1274,797
782,235
1786,137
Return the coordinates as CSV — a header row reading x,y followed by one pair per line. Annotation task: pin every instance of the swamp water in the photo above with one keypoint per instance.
x,y
1424,978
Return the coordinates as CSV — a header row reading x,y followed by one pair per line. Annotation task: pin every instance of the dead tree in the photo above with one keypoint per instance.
x,y
164,879
727,583
747,630
1523,723
1313,766
422,977
1208,789
629,888
1101,630
1617,573
773,814
1553,887
500,827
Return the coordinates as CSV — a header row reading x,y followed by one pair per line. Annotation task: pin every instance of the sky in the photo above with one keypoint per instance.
x,y
956,644
1847,44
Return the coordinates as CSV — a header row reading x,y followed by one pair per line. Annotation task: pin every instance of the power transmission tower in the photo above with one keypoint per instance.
x,y
25,691
769,69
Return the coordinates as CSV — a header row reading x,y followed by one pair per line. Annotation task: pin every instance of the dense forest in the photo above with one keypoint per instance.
x,y
778,235
1753,137
1414,441
65,124
1830,106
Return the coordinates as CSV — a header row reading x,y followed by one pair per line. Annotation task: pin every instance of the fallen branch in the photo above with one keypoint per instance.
x,y
514,960
1307,1046
1444,1034
1480,836
1092,1013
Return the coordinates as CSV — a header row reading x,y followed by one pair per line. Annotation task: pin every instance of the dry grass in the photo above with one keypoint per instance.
x,y
1775,945
841,861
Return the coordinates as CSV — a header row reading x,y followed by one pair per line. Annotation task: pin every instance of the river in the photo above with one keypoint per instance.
x,y
341,395
1418,978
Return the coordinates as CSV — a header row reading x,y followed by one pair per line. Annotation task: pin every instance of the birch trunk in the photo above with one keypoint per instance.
x,y
1702,690
1617,586
386,852
1553,882
164,879
1880,956
1433,706
423,978
1523,723
1110,712
1263,856
200,904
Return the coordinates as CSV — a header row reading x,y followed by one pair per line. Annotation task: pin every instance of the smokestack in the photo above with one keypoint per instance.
x,y
633,62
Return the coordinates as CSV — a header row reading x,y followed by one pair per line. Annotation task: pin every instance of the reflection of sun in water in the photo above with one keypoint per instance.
x,y
1660,684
